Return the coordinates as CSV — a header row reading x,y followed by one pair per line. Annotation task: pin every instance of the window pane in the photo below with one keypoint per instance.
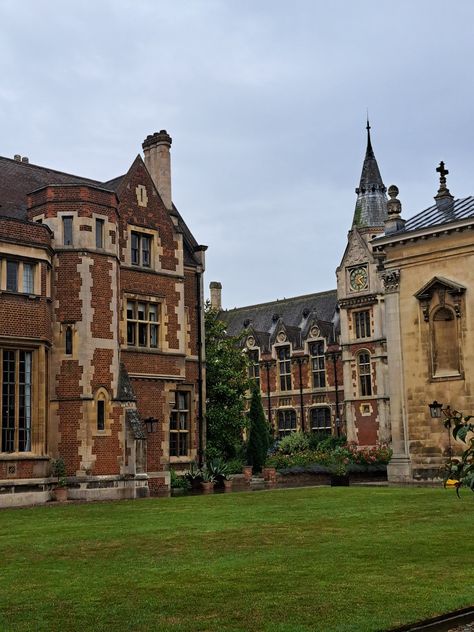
x,y
100,414
68,341
153,336
142,334
28,278
152,313
24,408
146,243
12,276
135,249
130,333
8,402
141,311
67,231
99,233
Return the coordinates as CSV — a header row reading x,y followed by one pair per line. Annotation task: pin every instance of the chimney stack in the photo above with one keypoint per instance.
x,y
156,148
216,299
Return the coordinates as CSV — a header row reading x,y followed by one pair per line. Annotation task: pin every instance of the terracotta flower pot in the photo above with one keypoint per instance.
x,y
207,486
269,474
228,485
60,494
247,472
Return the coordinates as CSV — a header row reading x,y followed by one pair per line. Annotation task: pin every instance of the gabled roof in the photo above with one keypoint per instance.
x,y
292,312
451,287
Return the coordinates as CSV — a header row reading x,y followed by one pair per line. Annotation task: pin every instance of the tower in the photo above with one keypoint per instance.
x,y
361,302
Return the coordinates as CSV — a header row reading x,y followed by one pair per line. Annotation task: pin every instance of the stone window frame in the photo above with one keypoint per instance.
x,y
16,395
187,390
364,327
101,395
435,373
439,293
327,428
147,301
20,275
64,229
364,380
284,429
286,375
99,233
155,248
318,371
253,354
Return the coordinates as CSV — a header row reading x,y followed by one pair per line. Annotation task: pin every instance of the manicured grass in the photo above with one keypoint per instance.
x,y
316,559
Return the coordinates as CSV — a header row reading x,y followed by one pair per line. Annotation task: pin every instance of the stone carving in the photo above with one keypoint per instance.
x,y
281,337
356,253
391,280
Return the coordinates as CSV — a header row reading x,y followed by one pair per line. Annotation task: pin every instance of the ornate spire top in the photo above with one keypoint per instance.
x,y
371,209
443,197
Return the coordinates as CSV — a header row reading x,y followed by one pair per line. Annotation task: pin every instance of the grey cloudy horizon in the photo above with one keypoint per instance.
x,y
266,104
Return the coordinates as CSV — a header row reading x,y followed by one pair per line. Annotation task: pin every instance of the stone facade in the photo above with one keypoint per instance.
x,y
100,331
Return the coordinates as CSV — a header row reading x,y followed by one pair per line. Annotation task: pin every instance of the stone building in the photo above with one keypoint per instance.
x,y
361,303
294,358
427,267
101,341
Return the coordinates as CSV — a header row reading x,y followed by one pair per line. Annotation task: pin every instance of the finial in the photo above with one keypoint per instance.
x,y
368,128
443,191
394,206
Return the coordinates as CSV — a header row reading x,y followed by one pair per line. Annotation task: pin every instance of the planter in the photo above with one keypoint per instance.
x,y
207,487
228,485
60,494
339,480
270,474
247,472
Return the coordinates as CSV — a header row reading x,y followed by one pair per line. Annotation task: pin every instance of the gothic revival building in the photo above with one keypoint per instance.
x,y
362,313
294,358
101,353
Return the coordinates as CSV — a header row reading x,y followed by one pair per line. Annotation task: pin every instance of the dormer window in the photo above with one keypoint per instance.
x,y
141,250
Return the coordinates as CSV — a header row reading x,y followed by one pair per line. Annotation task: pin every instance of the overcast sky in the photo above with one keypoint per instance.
x,y
266,103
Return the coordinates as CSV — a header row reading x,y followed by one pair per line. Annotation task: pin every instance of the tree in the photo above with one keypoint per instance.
x,y
226,384
461,469
257,446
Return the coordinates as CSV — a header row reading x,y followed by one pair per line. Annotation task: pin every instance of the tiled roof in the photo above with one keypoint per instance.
x,y
437,215
371,204
17,179
294,312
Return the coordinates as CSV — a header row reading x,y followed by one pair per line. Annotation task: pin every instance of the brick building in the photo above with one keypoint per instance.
x,y
294,357
101,341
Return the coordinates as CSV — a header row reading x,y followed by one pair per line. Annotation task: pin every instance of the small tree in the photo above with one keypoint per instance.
x,y
461,469
257,446
226,384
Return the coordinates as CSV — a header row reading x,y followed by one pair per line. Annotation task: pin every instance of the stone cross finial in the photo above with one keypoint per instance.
x,y
443,191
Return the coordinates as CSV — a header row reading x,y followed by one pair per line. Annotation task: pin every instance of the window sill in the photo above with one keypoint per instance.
x,y
31,297
181,459
446,377
22,456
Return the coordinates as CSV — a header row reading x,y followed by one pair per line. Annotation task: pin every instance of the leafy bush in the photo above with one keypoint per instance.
x,y
234,466
58,468
461,469
258,435
315,438
193,475
218,470
294,442
332,442
178,482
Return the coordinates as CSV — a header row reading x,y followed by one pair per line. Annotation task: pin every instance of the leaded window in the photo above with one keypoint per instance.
x,y
12,276
284,367
254,366
321,420
99,233
286,422
141,249
16,400
362,324
142,324
179,425
28,278
318,364
365,379
67,231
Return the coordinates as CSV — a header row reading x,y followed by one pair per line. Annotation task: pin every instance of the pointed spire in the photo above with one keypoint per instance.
x,y
371,205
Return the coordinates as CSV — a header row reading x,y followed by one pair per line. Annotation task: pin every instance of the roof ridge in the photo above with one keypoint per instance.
x,y
280,301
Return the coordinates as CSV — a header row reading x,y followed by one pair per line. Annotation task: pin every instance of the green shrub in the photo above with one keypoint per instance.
x,y
257,446
294,442
315,438
178,482
234,466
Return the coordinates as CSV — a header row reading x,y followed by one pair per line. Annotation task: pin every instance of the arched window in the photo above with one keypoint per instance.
x,y
445,342
364,372
101,409
321,419
286,422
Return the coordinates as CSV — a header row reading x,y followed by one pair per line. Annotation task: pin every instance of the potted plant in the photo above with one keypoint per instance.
x,y
179,484
207,481
58,469
194,476
247,472
219,470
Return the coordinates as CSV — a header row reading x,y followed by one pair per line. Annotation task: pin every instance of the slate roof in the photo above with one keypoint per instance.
x,y
17,179
371,204
293,312
439,214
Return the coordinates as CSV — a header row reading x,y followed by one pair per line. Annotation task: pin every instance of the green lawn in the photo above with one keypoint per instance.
x,y
294,560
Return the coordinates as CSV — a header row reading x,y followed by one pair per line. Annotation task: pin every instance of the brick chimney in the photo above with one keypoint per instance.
x,y
156,148
216,299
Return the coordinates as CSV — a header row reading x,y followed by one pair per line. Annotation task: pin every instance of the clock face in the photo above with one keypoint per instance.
x,y
358,278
